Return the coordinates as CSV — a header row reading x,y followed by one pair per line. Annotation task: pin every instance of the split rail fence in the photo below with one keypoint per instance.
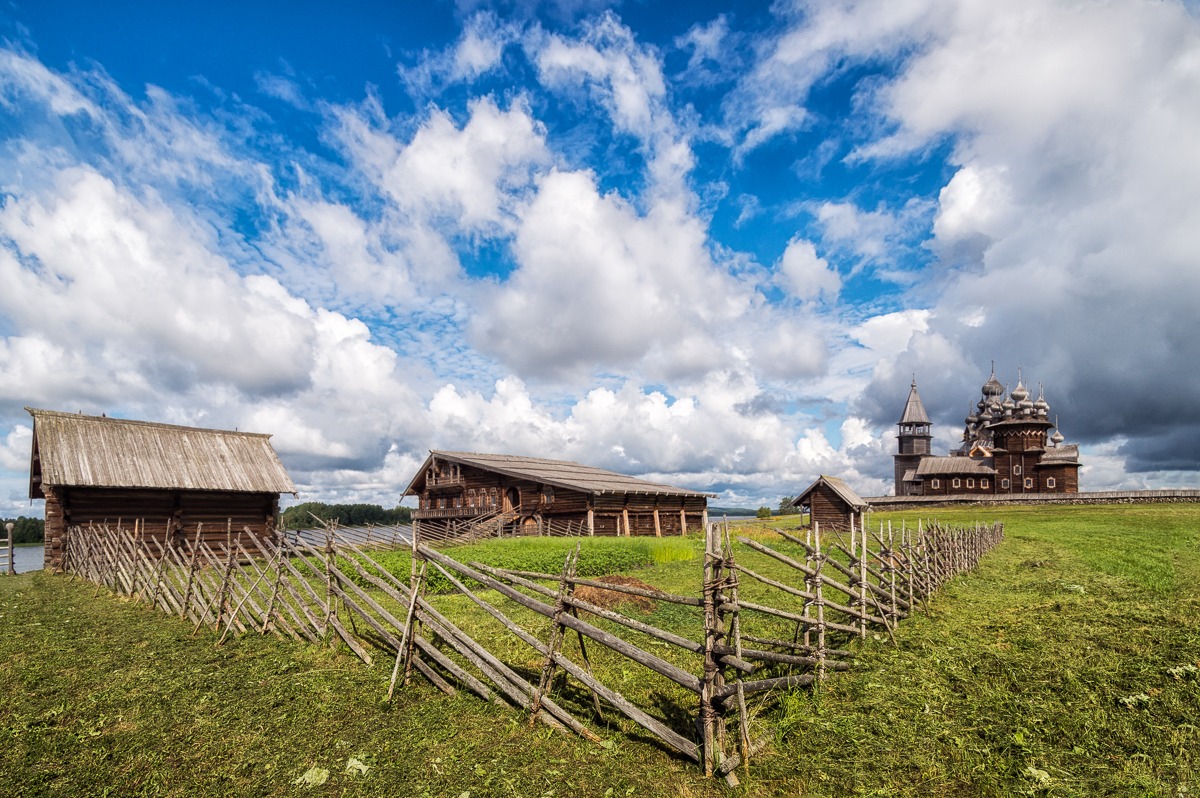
x,y
765,618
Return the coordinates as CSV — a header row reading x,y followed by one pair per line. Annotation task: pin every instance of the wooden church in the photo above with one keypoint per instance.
x,y
1006,448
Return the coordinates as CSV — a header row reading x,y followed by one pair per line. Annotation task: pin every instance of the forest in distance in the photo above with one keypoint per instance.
x,y
26,530
300,516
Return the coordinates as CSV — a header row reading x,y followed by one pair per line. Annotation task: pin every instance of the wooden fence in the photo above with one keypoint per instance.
x,y
759,631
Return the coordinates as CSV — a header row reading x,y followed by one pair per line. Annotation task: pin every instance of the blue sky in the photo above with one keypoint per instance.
x,y
705,243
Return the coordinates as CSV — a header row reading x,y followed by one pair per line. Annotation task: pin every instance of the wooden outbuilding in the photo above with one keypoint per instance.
x,y
831,503
167,479
466,494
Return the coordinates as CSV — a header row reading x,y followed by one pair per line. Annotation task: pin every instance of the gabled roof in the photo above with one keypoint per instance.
x,y
842,490
559,473
75,450
914,410
953,465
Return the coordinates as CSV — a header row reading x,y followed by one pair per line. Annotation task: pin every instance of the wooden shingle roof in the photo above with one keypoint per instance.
x,y
953,465
914,408
1063,453
559,473
842,490
74,450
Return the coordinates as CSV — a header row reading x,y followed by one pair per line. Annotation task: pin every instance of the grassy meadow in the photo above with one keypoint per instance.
x,y
1067,664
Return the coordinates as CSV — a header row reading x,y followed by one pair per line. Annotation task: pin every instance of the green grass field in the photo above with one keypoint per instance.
x,y
1066,665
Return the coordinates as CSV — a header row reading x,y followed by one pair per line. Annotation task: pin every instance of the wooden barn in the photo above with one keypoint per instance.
x,y
463,494
831,503
168,479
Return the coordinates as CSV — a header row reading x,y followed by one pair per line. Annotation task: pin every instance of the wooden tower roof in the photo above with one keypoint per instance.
x,y
914,409
74,450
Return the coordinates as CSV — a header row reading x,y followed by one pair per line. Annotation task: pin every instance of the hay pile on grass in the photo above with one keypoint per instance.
x,y
609,599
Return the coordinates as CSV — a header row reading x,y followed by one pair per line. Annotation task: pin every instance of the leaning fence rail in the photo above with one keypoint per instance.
x,y
758,631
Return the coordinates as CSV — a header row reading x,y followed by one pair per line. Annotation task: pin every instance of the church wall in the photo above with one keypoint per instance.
x,y
1066,478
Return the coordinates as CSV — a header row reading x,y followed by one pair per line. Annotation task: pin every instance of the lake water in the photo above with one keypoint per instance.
x,y
29,558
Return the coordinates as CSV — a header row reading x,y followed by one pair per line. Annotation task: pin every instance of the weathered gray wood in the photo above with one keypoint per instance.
x,y
657,664
433,676
616,617
731,763
799,680
633,591
431,651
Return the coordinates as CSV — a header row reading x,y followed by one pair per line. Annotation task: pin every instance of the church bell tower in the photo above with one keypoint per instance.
x,y
914,438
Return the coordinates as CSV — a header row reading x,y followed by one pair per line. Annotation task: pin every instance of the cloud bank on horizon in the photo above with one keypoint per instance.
x,y
709,247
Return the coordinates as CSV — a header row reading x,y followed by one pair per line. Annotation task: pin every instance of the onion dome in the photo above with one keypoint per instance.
x,y
992,388
971,419
1041,405
1019,393
1007,405
1057,438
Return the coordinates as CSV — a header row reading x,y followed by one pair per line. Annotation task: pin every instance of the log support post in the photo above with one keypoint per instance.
x,y
556,636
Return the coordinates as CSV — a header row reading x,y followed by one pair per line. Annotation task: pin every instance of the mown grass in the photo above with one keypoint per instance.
x,y
1055,669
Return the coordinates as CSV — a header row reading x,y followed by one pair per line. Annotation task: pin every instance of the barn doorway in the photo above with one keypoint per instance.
x,y
512,499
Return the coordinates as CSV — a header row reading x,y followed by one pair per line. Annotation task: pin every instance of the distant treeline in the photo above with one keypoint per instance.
x,y
716,512
297,517
25,530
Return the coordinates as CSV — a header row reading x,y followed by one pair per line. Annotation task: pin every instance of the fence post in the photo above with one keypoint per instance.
x,y
187,594
556,636
12,568
862,579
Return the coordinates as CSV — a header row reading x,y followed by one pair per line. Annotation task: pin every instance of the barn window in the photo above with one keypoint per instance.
x,y
1028,482
1016,471
1004,484
1050,483
957,483
547,494
983,483
934,483
970,483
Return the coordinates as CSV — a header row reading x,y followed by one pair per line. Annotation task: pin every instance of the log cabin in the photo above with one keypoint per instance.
x,y
831,503
167,479
469,495
1006,448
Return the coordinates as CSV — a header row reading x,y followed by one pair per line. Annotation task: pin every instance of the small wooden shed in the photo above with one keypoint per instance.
x,y
831,503
93,469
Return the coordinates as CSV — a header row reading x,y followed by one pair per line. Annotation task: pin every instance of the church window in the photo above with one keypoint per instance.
x,y
970,483
1050,483
983,483
956,483
934,484
1004,484
1016,471
1028,482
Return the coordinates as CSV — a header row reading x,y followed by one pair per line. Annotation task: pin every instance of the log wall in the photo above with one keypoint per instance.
x,y
159,514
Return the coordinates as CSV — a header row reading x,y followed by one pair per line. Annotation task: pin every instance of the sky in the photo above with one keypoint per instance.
x,y
709,244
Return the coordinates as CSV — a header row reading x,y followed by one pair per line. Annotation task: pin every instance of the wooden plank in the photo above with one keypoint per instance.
x,y
656,664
